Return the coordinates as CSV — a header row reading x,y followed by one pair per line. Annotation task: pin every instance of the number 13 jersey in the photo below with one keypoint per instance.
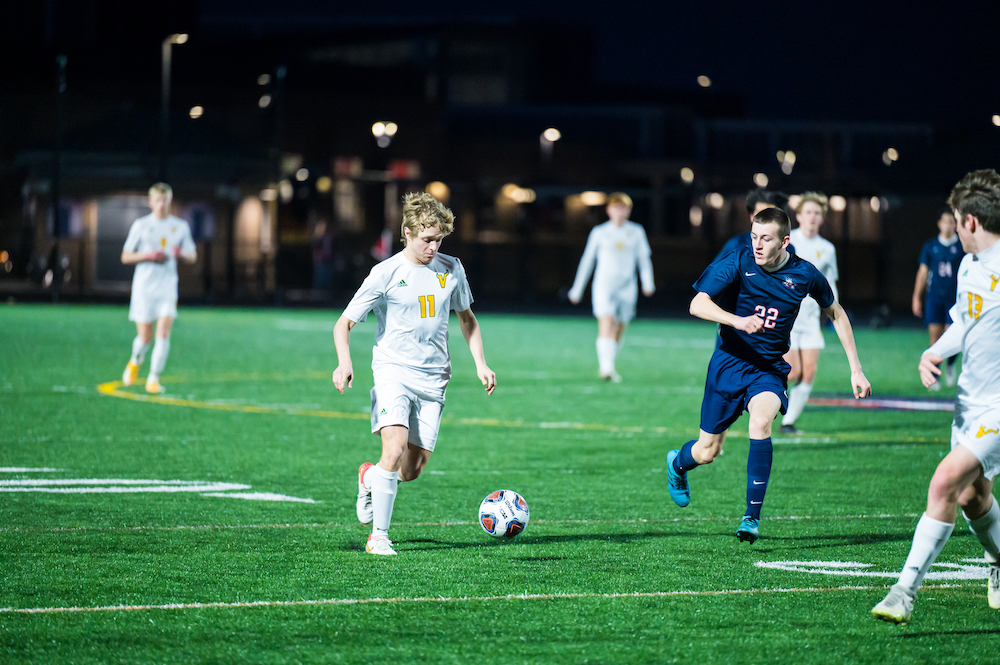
x,y
412,304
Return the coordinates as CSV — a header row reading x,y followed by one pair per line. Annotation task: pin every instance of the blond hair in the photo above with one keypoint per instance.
x,y
819,198
620,198
423,211
163,188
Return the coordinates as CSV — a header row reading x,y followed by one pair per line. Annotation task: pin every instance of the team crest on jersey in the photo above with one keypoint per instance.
x,y
620,246
790,283
442,278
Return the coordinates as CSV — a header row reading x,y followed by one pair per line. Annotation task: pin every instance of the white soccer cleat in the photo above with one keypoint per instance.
x,y
950,374
896,607
131,373
614,377
381,546
993,586
364,505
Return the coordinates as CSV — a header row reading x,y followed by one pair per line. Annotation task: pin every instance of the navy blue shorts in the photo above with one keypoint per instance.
x,y
730,386
936,310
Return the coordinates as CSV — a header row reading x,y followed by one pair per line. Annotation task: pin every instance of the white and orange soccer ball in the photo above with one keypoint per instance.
x,y
503,514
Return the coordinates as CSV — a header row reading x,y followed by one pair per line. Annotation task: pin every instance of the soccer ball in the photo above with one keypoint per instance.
x,y
503,514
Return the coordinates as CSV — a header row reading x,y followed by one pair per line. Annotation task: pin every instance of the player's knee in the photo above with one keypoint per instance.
x,y
943,488
760,426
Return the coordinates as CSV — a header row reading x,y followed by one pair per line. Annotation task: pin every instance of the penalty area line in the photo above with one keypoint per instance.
x,y
338,525
444,599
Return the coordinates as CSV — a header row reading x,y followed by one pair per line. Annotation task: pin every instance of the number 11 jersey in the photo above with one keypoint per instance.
x,y
412,304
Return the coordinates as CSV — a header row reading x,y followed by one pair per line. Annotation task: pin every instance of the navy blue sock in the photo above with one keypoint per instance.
x,y
758,473
684,460
951,361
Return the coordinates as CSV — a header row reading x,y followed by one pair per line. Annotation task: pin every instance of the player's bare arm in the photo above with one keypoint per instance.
x,y
344,374
474,338
132,258
918,290
705,308
187,257
859,384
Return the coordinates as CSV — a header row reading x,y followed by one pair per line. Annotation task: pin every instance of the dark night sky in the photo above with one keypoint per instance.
x,y
851,60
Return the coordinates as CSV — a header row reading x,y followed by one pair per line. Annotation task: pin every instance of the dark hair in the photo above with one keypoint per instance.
x,y
774,216
978,194
755,196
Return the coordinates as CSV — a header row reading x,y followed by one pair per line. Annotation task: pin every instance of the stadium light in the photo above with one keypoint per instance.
x,y
324,184
704,81
263,79
552,134
892,154
438,190
178,38
264,101
695,216
716,200
165,57
687,175
838,203
996,119
196,112
760,179
875,204
302,174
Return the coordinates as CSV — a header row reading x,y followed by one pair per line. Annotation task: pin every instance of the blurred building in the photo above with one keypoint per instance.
x,y
278,121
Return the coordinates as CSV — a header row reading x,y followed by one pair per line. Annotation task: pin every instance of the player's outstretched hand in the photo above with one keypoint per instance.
x,y
749,324
488,377
343,376
862,388
156,257
648,292
929,369
575,301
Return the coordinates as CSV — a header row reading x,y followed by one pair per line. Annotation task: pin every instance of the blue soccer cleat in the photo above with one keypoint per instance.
x,y
677,483
749,529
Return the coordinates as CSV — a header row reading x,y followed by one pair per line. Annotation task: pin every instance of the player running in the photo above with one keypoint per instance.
x,y
807,337
965,476
412,295
154,244
938,273
755,295
618,247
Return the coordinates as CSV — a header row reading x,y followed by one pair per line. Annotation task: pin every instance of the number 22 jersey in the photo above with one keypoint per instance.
x,y
412,303
738,285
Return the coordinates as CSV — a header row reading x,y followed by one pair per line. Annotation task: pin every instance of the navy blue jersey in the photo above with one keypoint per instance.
x,y
942,269
738,285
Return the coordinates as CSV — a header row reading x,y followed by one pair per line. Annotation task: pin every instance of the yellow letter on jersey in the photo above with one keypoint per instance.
x,y
995,278
441,278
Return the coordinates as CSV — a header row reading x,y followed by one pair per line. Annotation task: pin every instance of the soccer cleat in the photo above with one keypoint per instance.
x,y
789,429
364,505
614,377
950,374
153,386
993,586
381,545
749,529
131,373
677,483
896,607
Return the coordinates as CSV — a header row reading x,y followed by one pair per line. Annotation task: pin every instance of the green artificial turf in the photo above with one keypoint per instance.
x,y
608,570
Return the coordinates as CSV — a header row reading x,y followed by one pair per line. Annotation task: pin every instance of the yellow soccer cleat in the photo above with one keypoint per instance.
x,y
153,386
131,373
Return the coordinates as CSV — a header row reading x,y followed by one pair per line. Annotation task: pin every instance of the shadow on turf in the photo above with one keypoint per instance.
x,y
417,544
831,540
949,632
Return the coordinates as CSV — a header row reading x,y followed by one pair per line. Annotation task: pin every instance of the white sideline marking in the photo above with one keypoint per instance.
x,y
439,599
124,489
334,525
259,496
954,571
41,482
25,469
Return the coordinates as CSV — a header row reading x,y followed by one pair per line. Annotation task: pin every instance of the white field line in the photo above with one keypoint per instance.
x,y
335,525
440,599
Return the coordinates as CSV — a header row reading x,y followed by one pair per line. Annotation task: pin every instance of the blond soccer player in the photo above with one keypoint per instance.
x,y
964,478
807,336
154,245
618,248
412,295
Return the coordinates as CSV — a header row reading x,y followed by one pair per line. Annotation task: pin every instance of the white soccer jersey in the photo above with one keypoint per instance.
x,y
821,253
976,329
618,252
412,303
158,281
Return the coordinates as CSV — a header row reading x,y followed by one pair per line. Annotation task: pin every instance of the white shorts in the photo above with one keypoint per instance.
x,y
144,309
806,339
616,303
977,429
398,399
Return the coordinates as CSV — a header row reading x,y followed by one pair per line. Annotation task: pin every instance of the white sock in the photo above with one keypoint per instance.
x,y
161,349
987,530
607,350
797,398
928,541
139,349
383,485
